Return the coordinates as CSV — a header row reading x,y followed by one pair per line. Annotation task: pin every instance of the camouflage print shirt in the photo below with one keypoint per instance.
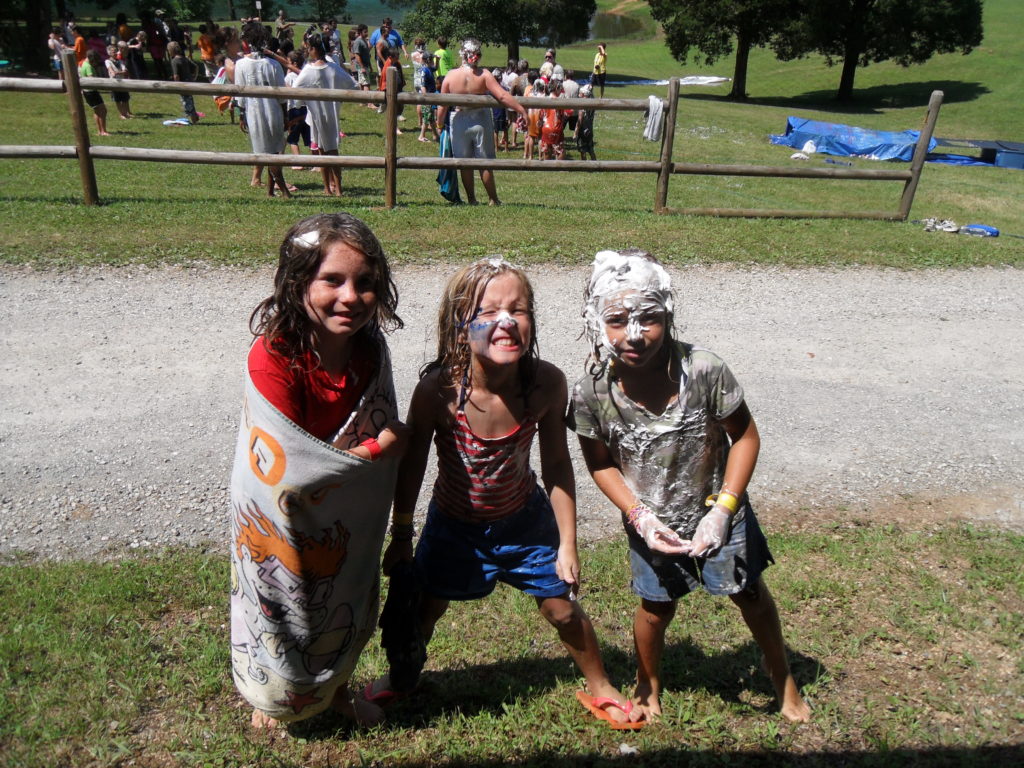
x,y
674,460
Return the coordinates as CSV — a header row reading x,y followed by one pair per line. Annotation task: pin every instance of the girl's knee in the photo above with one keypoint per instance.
x,y
561,613
754,597
657,611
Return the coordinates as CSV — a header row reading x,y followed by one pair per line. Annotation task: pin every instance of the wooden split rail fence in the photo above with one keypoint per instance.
x,y
664,168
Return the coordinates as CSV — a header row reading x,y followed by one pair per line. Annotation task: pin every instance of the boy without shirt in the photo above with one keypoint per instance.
x,y
473,128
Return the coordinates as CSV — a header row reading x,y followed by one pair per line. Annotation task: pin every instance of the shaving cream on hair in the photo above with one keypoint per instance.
x,y
310,239
627,282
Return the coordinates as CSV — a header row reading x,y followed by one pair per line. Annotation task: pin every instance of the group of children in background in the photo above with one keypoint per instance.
x,y
663,426
543,130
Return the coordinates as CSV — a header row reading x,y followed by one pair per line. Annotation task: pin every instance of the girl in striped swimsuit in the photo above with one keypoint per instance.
x,y
482,401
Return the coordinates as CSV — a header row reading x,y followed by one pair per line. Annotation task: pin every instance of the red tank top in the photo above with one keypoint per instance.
x,y
483,478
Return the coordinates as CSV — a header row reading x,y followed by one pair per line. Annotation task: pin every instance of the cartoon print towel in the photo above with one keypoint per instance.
x,y
307,525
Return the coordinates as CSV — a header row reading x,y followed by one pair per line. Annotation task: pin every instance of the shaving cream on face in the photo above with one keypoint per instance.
x,y
625,283
478,328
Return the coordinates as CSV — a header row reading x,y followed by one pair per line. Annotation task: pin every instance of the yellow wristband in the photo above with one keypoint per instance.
x,y
725,499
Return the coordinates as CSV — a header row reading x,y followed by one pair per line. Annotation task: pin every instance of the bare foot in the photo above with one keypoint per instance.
x,y
608,690
791,703
262,721
647,701
359,711
104,133
256,183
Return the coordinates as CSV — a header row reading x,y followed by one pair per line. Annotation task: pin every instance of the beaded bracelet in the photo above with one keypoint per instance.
x,y
637,511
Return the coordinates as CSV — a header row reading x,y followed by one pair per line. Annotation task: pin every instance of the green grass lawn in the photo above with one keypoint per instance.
x,y
907,644
156,212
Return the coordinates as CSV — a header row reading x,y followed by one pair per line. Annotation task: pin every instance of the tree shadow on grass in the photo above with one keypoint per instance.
x,y
490,688
869,101
686,667
681,757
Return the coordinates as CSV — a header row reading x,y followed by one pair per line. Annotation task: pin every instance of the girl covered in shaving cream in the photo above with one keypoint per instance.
x,y
668,438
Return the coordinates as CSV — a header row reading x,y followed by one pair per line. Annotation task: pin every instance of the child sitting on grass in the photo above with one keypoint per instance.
x,y
668,438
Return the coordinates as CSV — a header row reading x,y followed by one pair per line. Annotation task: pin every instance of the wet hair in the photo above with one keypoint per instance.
x,y
459,305
442,41
596,361
282,318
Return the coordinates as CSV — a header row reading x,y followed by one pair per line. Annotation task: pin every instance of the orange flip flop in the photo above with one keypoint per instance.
x,y
597,707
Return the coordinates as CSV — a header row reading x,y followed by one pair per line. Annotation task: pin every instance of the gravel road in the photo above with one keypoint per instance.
x,y
881,395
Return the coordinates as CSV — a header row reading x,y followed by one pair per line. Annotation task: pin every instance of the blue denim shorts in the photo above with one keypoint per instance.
x,y
457,560
735,567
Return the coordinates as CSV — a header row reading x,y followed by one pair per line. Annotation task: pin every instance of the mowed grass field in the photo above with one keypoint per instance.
x,y
156,212
906,643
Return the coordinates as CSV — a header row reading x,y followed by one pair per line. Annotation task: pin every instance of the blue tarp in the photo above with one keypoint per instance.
x,y
946,159
850,141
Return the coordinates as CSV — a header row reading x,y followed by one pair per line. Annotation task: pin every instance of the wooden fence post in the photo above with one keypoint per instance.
x,y
390,138
920,151
667,138
81,125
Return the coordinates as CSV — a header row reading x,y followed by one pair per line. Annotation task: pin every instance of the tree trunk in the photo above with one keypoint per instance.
x,y
37,28
853,46
513,50
739,73
845,92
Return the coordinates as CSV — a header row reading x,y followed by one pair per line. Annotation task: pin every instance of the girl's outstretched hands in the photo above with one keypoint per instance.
x,y
658,536
712,532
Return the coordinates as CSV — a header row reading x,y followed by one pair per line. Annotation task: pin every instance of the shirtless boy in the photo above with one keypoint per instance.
x,y
473,128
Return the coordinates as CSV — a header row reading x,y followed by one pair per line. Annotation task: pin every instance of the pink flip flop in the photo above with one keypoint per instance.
x,y
597,706
382,698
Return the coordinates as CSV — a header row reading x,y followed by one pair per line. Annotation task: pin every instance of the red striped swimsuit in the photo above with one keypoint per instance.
x,y
480,479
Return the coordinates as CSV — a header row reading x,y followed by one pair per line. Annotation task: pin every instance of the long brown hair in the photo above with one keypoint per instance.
x,y
459,305
282,319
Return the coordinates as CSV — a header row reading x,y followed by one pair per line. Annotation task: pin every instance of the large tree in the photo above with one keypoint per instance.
x,y
503,22
712,29
858,32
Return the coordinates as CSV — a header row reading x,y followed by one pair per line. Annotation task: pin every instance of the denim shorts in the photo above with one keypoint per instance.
x,y
735,567
458,560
